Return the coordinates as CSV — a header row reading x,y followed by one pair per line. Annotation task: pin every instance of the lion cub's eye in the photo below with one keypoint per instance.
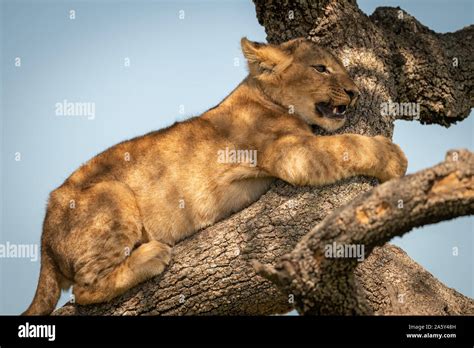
x,y
320,68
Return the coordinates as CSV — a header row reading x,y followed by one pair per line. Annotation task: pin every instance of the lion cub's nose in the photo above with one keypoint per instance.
x,y
351,93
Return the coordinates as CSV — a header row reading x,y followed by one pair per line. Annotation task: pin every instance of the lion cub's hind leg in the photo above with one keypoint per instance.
x,y
108,246
145,262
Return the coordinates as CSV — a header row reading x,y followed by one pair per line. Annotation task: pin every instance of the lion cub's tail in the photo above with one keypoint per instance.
x,y
48,290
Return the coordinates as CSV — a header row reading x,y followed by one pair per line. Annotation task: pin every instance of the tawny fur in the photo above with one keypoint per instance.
x,y
112,223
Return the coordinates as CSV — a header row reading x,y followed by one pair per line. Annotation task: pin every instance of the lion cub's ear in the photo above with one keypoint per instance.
x,y
264,58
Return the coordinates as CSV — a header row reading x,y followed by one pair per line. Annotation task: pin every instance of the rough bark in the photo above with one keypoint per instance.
x,y
211,272
393,284
322,283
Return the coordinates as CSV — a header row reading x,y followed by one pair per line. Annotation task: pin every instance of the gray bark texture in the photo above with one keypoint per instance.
x,y
392,57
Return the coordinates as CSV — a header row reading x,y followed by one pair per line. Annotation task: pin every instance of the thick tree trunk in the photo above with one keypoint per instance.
x,y
393,284
212,271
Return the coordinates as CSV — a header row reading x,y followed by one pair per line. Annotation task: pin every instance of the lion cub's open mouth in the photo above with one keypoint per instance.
x,y
331,111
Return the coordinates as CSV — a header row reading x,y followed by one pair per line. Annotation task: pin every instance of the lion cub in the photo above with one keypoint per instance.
x,y
112,223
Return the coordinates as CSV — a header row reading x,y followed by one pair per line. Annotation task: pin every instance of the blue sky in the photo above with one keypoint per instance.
x,y
181,64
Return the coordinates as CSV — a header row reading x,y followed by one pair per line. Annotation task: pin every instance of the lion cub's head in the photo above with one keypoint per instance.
x,y
303,77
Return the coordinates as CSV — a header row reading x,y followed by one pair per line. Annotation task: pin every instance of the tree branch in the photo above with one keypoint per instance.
x,y
434,70
393,284
324,283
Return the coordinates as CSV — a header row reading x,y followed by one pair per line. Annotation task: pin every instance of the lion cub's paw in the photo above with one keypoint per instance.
x,y
151,258
394,162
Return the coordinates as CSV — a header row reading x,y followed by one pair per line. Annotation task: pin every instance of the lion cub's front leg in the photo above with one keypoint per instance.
x,y
320,160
